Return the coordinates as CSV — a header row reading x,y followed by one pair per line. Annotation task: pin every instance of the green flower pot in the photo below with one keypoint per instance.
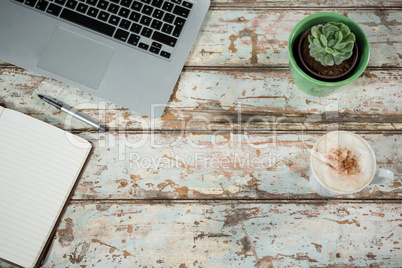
x,y
309,84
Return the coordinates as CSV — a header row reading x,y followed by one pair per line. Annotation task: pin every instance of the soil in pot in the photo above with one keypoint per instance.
x,y
326,73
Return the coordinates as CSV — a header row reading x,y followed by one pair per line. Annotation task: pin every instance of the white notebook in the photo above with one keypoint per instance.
x,y
39,166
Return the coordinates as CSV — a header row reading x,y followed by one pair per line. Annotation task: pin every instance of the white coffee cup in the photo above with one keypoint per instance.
x,y
379,176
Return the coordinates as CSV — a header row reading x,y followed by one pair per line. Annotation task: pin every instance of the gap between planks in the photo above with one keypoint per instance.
x,y
235,131
246,69
234,201
244,6
265,68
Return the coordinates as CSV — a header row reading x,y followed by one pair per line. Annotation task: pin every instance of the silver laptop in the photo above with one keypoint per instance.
x,y
130,52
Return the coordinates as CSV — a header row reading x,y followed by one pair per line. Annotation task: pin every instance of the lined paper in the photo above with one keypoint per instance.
x,y
39,165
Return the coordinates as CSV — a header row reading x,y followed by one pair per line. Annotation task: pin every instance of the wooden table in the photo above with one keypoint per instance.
x,y
234,101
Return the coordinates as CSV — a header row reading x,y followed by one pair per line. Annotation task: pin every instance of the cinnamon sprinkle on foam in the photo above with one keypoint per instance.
x,y
343,161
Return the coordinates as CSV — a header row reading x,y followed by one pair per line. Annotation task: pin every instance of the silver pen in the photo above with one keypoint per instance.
x,y
74,113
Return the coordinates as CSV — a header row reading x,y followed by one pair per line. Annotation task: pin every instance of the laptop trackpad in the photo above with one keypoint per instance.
x,y
76,57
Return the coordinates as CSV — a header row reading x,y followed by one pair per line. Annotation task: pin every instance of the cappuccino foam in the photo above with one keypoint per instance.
x,y
343,162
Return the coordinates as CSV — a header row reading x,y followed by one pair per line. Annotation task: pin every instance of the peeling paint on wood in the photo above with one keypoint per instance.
x,y
303,4
259,37
217,166
207,99
239,234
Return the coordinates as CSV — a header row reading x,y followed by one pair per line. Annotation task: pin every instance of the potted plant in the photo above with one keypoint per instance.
x,y
326,50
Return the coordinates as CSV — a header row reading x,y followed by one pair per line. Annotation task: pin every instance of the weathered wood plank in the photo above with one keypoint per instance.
x,y
315,234
217,166
228,99
303,4
260,37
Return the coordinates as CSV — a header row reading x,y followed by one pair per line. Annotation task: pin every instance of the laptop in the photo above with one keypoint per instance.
x,y
130,52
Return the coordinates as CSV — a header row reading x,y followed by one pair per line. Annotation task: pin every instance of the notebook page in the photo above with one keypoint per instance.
x,y
39,165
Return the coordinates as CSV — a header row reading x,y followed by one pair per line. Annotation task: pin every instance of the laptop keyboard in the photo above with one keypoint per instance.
x,y
150,25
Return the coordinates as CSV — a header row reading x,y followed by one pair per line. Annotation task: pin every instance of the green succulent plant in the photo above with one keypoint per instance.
x,y
331,43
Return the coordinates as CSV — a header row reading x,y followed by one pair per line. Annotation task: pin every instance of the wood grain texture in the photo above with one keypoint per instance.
x,y
217,166
260,37
262,100
303,4
233,233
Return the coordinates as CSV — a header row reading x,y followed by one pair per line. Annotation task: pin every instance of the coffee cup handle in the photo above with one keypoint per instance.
x,y
383,176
